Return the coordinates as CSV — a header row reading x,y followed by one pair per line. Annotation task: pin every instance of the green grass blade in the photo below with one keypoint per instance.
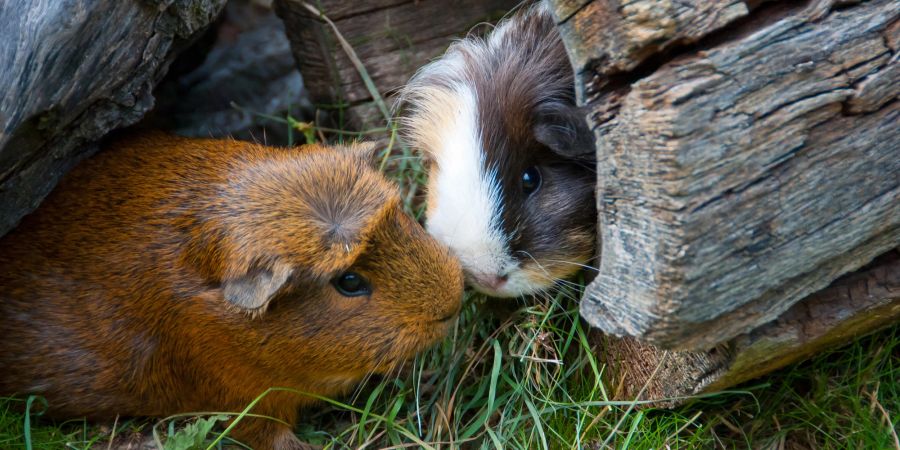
x,y
492,394
538,423
633,429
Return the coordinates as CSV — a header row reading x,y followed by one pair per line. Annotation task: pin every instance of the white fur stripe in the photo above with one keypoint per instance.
x,y
466,198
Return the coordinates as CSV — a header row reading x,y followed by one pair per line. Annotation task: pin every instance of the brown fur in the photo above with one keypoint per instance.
x,y
170,275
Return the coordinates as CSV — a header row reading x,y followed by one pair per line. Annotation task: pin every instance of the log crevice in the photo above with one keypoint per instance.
x,y
854,305
603,85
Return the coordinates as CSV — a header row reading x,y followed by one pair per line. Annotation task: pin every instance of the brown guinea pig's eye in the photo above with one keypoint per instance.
x,y
531,180
351,284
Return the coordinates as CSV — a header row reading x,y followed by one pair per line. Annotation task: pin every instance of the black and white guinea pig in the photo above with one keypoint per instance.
x,y
511,159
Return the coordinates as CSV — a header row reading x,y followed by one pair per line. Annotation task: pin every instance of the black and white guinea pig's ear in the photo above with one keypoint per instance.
x,y
563,129
254,289
367,151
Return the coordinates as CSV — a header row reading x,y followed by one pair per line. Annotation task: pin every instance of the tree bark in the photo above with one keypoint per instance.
x,y
748,155
72,71
392,39
854,305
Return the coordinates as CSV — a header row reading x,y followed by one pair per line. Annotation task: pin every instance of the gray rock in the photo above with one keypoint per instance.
x,y
247,74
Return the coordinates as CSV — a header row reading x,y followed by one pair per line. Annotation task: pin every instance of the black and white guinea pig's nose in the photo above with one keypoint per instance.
x,y
491,281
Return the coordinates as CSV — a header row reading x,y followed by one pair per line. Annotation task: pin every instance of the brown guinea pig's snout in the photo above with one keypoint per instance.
x,y
448,301
449,310
434,271
452,314
441,317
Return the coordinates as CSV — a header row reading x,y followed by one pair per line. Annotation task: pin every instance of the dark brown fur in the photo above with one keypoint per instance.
x,y
526,101
114,294
527,114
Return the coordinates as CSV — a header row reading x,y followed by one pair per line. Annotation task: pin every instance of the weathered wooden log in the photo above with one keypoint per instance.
x,y
854,305
746,157
72,71
392,39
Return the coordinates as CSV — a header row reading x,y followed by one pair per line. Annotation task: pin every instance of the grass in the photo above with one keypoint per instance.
x,y
521,374
526,379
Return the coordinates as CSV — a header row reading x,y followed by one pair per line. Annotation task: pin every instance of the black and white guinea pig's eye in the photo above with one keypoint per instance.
x,y
531,180
351,284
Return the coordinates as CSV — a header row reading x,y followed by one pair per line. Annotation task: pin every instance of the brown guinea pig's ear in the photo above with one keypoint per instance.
x,y
563,129
254,289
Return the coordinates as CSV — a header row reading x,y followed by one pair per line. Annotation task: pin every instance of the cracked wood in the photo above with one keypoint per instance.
x,y
742,173
852,306
392,38
72,71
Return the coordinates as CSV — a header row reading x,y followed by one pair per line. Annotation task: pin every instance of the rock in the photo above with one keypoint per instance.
x,y
246,73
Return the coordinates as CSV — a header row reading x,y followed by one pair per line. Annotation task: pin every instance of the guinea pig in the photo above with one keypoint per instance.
x,y
511,159
170,275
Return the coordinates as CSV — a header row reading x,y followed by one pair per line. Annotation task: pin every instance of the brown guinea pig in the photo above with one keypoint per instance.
x,y
511,159
170,275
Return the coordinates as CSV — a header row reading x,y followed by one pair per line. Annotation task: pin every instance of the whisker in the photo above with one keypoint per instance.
x,y
583,266
568,283
565,286
538,264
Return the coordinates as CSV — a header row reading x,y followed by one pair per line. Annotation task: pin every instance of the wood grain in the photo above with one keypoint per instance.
x,y
392,39
613,36
854,305
740,176
72,71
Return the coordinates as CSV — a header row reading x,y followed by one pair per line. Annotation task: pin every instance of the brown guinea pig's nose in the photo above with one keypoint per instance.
x,y
452,310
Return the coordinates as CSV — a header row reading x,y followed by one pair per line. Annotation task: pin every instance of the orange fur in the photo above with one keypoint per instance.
x,y
170,275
